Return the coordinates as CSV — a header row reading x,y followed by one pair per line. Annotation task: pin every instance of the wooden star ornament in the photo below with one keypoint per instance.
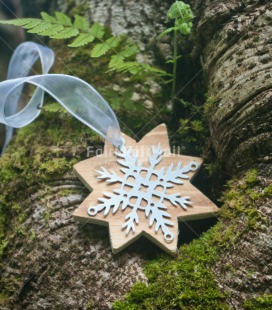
x,y
143,190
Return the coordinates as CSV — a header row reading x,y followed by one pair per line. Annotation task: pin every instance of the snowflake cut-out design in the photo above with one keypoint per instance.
x,y
144,189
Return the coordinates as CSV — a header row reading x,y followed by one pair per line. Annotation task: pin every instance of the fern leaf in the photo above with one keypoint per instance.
x,y
100,49
82,39
66,33
17,22
48,18
81,23
40,28
113,42
129,51
97,30
177,10
32,24
116,61
132,67
52,30
63,19
149,69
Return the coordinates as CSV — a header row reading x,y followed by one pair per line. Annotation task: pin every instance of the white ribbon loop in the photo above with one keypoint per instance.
x,y
22,60
75,95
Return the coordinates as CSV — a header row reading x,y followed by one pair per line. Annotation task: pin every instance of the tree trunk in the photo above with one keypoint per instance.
x,y
49,261
234,40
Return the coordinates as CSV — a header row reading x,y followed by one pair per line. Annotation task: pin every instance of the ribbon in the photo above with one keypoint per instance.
x,y
78,97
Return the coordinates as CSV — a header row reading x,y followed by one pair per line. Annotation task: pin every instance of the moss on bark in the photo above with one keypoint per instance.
x,y
189,282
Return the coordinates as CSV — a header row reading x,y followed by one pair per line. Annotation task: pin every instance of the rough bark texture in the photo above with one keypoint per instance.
x,y
234,38
61,264
65,264
244,271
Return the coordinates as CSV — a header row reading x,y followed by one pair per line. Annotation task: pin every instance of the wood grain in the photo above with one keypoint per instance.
x,y
201,206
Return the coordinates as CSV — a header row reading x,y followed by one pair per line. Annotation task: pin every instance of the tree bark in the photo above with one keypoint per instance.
x,y
52,262
234,40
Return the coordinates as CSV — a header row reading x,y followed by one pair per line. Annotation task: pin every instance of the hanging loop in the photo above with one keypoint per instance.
x,y
78,97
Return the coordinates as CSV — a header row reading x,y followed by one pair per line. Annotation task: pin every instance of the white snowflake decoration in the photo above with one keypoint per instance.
x,y
122,198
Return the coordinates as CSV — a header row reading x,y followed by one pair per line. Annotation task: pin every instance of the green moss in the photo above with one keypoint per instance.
x,y
56,166
3,299
209,104
251,178
90,305
193,130
32,236
268,191
259,303
182,283
8,286
46,217
32,161
3,245
41,152
36,156
187,282
241,201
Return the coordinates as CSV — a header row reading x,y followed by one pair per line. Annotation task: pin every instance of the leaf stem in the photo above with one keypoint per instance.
x,y
174,65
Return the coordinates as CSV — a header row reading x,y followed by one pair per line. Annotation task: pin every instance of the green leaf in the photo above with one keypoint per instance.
x,y
66,33
48,18
129,51
166,31
113,42
33,23
167,81
197,125
97,30
40,28
178,9
81,23
63,19
52,30
54,108
171,61
113,97
134,68
130,66
82,39
116,61
17,22
184,28
100,49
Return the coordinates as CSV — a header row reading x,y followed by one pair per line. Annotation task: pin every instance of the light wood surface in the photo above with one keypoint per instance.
x,y
201,207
